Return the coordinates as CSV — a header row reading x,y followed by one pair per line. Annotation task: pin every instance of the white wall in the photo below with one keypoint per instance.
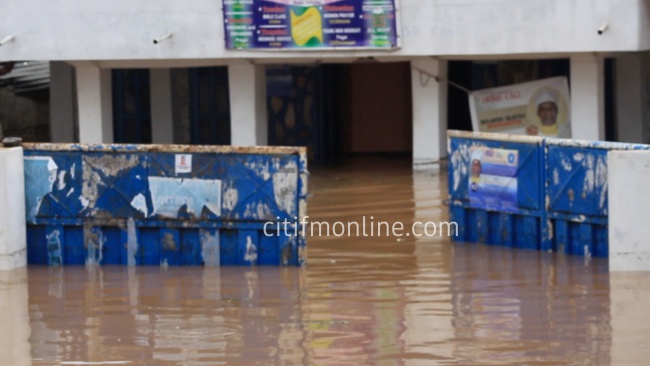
x,y
13,234
629,209
125,29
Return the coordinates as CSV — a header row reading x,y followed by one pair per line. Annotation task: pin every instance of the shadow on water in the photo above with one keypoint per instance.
x,y
360,300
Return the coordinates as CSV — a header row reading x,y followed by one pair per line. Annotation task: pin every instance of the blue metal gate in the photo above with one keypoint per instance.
x,y
561,193
170,205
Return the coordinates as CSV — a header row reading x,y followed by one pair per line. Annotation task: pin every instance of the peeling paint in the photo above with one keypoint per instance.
x,y
578,157
230,197
168,242
210,248
131,242
285,184
260,169
556,176
61,181
139,202
601,182
108,165
566,164
259,210
459,161
40,176
169,195
71,191
251,250
84,202
590,175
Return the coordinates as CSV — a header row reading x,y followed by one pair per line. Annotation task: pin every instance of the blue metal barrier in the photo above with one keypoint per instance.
x,y
561,192
576,195
165,204
522,222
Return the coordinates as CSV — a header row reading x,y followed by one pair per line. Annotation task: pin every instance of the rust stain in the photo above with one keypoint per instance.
x,y
127,148
168,242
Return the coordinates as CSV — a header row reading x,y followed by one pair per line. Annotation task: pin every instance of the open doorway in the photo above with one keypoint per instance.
x,y
340,111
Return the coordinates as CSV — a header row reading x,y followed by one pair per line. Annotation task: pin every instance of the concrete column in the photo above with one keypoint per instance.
x,y
629,99
587,97
15,348
629,207
429,112
249,122
13,235
162,119
63,113
95,103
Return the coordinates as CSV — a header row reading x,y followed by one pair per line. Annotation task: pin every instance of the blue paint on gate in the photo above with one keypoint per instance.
x,y
124,204
561,198
521,226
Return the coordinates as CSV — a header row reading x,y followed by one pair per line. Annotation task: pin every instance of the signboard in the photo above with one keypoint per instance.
x,y
310,24
493,179
538,108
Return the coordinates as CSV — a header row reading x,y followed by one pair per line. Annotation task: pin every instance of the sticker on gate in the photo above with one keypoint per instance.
x,y
493,179
183,163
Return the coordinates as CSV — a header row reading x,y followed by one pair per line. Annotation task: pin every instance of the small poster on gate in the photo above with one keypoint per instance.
x,y
493,179
183,163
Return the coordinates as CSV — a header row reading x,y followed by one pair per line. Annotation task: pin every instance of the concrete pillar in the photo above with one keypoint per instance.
x,y
63,110
13,235
629,207
429,112
629,98
15,348
162,119
587,97
95,103
249,123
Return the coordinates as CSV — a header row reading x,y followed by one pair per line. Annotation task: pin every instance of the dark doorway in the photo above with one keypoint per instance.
x,y
209,104
131,106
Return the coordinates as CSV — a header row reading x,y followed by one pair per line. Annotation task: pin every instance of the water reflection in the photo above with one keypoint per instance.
x,y
14,318
358,301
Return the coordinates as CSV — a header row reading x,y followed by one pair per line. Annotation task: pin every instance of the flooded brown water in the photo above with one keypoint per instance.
x,y
358,301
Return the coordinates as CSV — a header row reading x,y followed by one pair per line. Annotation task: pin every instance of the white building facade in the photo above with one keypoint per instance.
x,y
110,82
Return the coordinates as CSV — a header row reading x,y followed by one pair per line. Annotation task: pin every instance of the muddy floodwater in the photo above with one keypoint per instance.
x,y
381,300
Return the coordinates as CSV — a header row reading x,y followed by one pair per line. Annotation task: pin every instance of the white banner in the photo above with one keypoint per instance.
x,y
537,108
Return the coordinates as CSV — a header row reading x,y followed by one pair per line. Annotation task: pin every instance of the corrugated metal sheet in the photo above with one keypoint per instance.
x,y
27,76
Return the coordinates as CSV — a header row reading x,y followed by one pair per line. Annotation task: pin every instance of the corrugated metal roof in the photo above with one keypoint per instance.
x,y
27,76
